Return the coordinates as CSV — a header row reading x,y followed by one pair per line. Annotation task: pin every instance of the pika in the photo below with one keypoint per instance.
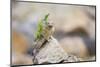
x,y
48,31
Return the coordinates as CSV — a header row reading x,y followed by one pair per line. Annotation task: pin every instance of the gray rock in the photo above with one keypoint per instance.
x,y
52,52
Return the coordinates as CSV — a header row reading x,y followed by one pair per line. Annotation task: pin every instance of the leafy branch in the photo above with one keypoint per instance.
x,y
40,27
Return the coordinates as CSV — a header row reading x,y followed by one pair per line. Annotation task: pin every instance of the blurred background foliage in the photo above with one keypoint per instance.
x,y
75,28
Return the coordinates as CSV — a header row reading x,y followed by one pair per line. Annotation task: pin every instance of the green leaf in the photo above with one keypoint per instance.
x,y
46,18
40,27
39,30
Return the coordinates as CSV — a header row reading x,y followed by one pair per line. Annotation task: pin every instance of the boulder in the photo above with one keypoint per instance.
x,y
52,52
